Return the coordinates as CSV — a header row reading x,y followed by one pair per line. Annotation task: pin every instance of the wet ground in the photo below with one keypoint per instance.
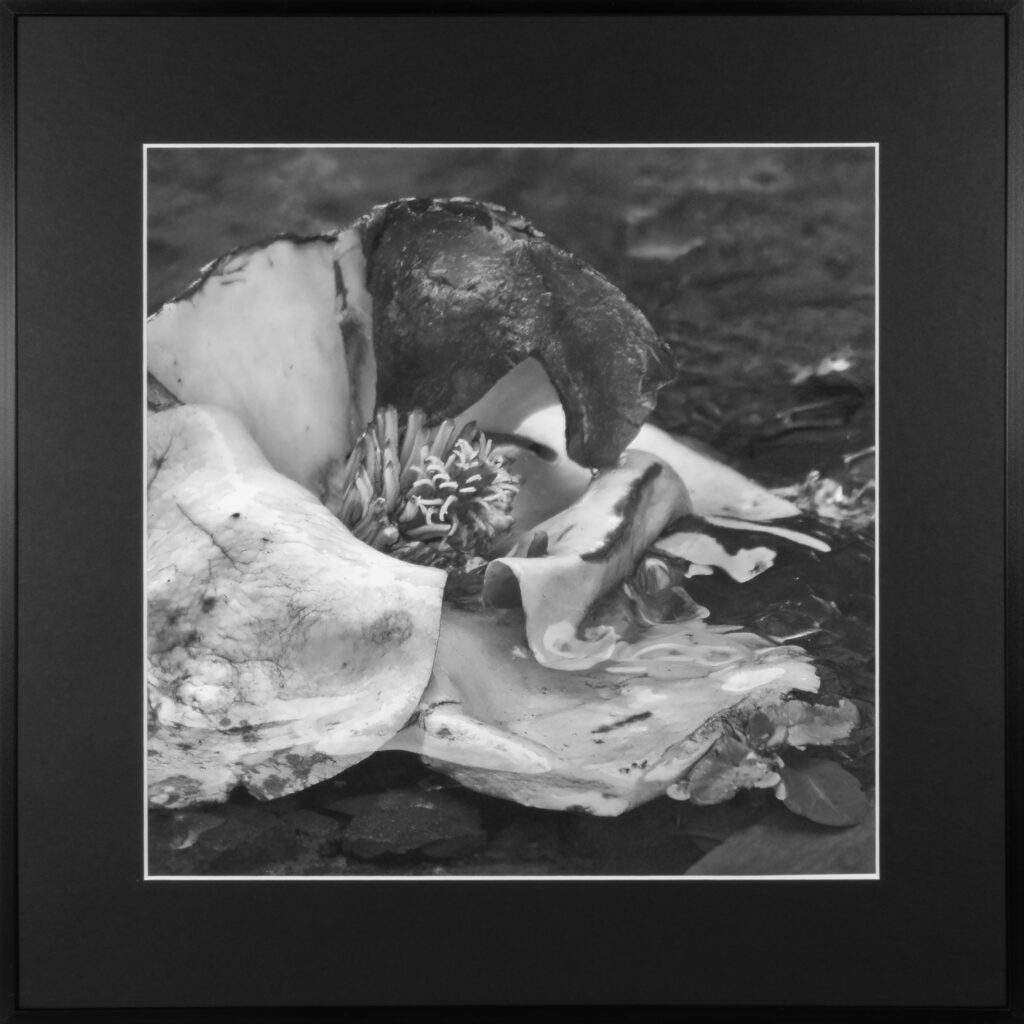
x,y
757,267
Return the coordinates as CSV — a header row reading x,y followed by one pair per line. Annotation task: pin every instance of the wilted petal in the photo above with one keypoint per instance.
x,y
702,550
281,649
279,335
463,291
592,740
591,546
715,489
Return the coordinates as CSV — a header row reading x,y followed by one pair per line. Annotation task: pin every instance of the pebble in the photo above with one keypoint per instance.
x,y
316,831
247,838
400,822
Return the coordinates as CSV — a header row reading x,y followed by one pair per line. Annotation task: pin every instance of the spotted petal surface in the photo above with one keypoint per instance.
x,y
281,649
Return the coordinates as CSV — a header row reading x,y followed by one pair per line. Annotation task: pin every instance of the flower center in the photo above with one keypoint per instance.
x,y
436,496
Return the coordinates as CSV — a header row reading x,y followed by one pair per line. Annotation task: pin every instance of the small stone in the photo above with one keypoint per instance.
x,y
399,822
188,826
457,846
350,805
311,823
250,839
229,839
315,831
528,842
646,841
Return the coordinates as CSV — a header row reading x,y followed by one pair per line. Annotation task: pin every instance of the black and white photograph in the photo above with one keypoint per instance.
x,y
510,511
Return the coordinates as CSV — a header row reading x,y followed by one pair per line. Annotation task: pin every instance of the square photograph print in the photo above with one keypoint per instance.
x,y
510,511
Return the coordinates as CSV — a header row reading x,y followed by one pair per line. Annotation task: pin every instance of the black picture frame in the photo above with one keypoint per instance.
x,y
940,87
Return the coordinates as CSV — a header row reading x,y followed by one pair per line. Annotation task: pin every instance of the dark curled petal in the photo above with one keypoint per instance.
x,y
463,291
625,512
538,545
819,789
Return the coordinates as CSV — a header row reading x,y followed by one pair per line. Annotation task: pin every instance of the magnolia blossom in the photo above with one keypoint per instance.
x,y
402,496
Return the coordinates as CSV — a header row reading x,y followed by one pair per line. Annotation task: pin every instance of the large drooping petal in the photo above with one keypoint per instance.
x,y
281,649
464,291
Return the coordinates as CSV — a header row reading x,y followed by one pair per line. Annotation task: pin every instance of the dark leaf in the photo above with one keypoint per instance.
x,y
731,750
759,729
820,790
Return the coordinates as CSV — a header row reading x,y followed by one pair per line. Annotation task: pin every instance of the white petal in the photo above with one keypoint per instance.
x,y
703,550
779,531
715,489
281,649
588,740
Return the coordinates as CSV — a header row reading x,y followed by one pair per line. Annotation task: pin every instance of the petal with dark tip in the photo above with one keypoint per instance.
x,y
702,550
591,547
463,292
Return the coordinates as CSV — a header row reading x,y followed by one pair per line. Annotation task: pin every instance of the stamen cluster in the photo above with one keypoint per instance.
x,y
431,495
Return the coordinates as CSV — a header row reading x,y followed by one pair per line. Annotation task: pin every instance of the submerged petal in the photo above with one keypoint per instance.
x,y
591,740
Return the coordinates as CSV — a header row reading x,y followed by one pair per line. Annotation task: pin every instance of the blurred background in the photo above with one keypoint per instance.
x,y
756,265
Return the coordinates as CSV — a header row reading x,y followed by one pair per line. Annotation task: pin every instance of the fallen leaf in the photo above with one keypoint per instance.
x,y
720,775
820,790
